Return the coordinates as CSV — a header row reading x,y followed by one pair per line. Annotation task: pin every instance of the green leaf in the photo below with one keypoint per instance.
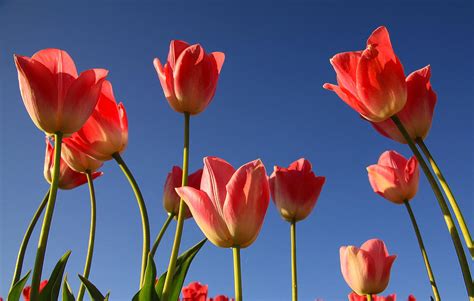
x,y
95,294
67,292
51,290
182,266
147,292
17,289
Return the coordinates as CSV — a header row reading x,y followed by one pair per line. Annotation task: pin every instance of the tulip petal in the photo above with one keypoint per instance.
x,y
348,98
57,61
380,38
345,65
219,57
216,174
176,48
165,75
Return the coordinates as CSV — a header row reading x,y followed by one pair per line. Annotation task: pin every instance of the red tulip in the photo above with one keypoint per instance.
x,y
295,189
56,98
195,291
27,290
394,177
68,178
371,82
393,297
78,160
417,114
220,298
189,77
173,180
231,204
106,131
366,269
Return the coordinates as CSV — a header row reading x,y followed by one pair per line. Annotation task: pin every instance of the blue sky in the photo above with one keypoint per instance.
x,y
270,105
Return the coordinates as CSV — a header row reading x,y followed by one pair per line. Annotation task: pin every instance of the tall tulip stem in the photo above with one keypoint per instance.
x,y
90,248
434,287
48,216
449,195
143,212
369,297
444,208
237,274
160,234
294,281
26,239
181,213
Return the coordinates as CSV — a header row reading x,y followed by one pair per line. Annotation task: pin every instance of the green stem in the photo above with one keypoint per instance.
x,y
237,274
26,239
294,281
160,235
450,196
434,287
90,249
369,297
181,214
444,208
48,216
143,212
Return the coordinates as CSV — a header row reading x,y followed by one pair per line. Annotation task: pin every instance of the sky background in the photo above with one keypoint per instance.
x,y
269,104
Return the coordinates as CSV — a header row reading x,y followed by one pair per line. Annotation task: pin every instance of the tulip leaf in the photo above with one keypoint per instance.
x,y
93,291
17,289
147,292
52,288
67,292
182,266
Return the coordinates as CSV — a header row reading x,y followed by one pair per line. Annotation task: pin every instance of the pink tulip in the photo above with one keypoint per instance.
x,y
78,160
230,206
366,269
195,291
417,114
56,98
189,77
295,189
394,177
68,178
173,180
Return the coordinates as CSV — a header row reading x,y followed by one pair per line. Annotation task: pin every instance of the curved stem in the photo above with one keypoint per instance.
x,y
160,235
434,287
48,216
444,208
237,274
143,212
294,281
450,196
181,214
90,248
26,239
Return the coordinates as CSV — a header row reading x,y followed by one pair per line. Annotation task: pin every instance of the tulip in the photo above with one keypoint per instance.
x,y
79,161
68,178
394,177
354,297
366,269
106,132
231,204
173,180
195,291
27,290
220,298
372,81
56,98
189,77
295,189
417,113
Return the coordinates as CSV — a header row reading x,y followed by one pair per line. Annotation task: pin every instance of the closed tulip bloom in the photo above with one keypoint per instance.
x,y
372,81
56,98
195,291
78,160
366,269
417,114
394,177
189,77
27,290
173,180
231,205
68,178
106,131
295,189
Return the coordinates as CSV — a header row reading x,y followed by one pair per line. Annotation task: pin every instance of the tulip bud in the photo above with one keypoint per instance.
x,y
195,291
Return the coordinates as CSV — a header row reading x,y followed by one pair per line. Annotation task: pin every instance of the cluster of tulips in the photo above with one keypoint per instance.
x,y
85,127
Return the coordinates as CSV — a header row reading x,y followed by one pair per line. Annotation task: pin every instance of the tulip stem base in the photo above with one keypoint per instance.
x,y
449,194
48,217
294,281
26,239
90,248
237,274
160,235
434,287
143,212
369,297
444,209
181,214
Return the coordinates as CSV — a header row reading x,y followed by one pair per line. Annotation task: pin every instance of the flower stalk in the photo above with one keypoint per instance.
x,y
294,281
237,274
160,234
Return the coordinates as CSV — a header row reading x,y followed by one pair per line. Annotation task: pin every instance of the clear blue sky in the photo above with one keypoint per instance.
x,y
270,105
